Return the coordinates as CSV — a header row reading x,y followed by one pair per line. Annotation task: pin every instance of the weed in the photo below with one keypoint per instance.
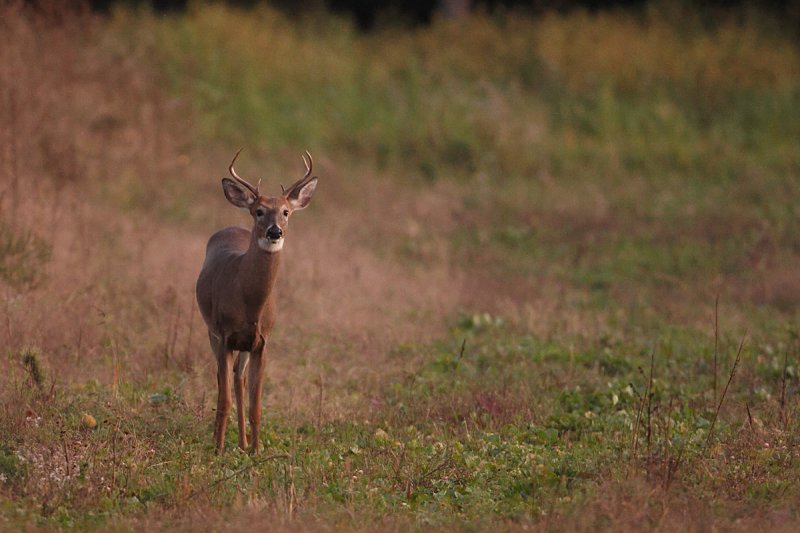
x,y
23,257
30,360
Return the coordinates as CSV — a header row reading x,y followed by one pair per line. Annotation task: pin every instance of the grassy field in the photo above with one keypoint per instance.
x,y
550,278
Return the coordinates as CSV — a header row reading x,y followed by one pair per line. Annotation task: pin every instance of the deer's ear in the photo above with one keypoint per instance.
x,y
299,197
236,194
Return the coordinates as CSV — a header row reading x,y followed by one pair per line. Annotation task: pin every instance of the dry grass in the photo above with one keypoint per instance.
x,y
123,279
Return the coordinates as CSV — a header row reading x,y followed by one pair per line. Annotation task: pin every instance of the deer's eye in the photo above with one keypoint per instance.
x,y
286,212
259,213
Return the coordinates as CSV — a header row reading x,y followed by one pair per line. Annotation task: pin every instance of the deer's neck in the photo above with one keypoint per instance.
x,y
258,272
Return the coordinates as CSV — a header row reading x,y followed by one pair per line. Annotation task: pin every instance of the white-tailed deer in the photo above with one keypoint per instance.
x,y
235,293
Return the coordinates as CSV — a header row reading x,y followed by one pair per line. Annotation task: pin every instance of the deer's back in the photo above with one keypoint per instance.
x,y
232,241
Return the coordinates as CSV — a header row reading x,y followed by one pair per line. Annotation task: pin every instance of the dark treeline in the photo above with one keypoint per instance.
x,y
367,13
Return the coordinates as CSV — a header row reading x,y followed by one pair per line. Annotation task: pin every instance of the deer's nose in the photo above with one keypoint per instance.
x,y
274,232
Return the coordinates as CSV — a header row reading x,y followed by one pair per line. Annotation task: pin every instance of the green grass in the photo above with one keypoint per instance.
x,y
511,428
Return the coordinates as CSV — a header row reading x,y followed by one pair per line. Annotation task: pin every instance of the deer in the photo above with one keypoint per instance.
x,y
235,294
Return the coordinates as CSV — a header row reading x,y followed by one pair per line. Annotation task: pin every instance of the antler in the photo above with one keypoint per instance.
x,y
309,164
305,179
241,181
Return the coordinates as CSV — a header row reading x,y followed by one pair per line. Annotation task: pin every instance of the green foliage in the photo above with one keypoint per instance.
x,y
9,465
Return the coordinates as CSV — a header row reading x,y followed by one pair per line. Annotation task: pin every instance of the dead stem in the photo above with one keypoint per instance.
x,y
725,391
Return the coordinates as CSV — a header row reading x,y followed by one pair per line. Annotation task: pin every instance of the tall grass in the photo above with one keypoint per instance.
x,y
503,95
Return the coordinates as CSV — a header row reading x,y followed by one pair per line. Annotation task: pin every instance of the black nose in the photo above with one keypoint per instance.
x,y
274,232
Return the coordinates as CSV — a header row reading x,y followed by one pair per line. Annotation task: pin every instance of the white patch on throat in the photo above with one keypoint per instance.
x,y
268,245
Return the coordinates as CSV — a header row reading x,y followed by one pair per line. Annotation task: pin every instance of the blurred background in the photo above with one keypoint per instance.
x,y
585,174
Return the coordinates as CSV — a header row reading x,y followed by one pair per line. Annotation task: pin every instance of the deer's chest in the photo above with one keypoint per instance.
x,y
246,332
243,339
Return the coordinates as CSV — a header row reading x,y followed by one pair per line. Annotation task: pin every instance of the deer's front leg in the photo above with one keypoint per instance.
x,y
224,363
239,381
255,378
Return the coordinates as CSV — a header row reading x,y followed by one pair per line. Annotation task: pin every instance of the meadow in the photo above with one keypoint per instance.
x,y
550,278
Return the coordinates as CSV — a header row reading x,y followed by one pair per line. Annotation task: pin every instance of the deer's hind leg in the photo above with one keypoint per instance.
x,y
239,384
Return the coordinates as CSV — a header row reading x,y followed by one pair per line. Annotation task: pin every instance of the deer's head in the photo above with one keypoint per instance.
x,y
270,213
